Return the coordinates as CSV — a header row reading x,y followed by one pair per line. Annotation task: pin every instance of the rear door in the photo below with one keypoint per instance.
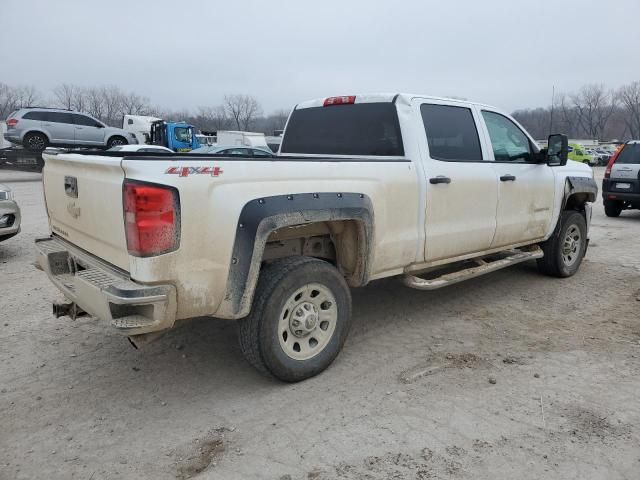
x,y
83,196
526,189
625,172
87,130
462,191
60,127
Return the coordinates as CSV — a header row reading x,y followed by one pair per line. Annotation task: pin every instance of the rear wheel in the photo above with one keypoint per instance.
x,y
612,208
300,319
563,252
116,141
36,142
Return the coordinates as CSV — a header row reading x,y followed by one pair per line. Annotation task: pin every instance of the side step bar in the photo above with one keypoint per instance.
x,y
480,266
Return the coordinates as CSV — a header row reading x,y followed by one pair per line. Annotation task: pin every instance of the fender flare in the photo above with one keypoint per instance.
x,y
262,216
579,185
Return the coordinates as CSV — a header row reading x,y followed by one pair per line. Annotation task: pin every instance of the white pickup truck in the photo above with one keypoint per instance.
x,y
367,186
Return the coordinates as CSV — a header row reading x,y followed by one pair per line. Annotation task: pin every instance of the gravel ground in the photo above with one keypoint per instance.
x,y
511,375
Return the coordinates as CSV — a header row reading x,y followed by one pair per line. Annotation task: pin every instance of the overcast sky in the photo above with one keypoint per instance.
x,y
183,53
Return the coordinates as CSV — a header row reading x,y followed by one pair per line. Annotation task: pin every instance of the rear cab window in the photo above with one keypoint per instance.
x,y
367,129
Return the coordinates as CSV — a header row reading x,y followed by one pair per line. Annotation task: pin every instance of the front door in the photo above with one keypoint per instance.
x,y
461,187
88,131
526,189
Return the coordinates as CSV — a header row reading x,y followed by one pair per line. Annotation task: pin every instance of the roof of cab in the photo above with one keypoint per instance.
x,y
404,98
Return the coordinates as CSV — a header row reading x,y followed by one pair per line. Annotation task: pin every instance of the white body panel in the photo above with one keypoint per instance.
x,y
246,139
416,224
140,125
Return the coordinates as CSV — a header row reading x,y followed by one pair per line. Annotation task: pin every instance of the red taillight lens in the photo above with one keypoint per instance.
x,y
612,160
349,99
12,122
151,219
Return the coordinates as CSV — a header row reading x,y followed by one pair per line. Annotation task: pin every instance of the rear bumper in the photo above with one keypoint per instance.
x,y
104,291
609,193
13,138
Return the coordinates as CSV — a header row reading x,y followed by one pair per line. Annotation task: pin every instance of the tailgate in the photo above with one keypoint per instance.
x,y
83,194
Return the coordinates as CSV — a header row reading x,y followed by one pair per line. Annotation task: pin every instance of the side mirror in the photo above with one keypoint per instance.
x,y
557,150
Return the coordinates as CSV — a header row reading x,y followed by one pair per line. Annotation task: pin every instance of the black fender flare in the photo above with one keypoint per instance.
x,y
262,216
585,186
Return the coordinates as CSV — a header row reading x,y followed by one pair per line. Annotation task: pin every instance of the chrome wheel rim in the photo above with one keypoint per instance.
x,y
116,142
36,142
571,245
307,321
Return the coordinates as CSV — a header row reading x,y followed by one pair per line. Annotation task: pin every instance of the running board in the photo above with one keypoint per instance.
x,y
479,267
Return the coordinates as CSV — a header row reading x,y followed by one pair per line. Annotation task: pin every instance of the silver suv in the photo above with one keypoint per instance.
x,y
621,183
37,128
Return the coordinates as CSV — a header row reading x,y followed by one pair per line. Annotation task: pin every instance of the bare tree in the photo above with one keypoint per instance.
x,y
112,98
95,102
134,104
243,109
630,99
64,95
13,98
594,106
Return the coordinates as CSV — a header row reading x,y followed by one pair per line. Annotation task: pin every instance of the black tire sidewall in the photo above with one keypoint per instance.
x,y
276,360
612,208
571,218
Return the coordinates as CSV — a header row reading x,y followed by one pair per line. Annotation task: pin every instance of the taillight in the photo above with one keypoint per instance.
x,y
349,99
612,160
12,122
151,219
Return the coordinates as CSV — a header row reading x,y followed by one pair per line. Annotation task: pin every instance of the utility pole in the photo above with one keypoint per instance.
x,y
553,94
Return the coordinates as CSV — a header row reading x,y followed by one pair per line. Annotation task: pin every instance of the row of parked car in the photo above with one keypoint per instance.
x,y
38,128
592,156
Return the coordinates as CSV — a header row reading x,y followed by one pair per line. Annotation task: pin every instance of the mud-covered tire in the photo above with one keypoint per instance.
x,y
612,208
560,259
35,141
260,333
116,141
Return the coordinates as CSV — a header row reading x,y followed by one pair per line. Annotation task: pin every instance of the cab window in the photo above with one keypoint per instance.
x,y
509,143
451,133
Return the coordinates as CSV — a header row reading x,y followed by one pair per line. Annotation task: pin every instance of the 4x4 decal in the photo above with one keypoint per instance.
x,y
186,171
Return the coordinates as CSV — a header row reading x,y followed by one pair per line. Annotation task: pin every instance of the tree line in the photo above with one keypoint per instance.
x,y
593,112
109,103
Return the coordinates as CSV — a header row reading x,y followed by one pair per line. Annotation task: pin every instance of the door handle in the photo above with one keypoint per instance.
x,y
439,179
508,178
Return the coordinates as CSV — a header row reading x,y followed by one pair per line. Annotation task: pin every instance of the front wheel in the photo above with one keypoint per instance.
x,y
564,251
299,321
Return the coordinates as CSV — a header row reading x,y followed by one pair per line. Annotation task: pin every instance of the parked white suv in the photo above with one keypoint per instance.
x,y
365,187
38,128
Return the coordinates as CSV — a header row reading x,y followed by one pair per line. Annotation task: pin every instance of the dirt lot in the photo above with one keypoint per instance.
x,y
512,375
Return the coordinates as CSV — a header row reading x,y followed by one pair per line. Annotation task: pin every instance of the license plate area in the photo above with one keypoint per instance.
x,y
623,186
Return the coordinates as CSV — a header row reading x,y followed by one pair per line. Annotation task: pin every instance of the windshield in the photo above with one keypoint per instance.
x,y
356,129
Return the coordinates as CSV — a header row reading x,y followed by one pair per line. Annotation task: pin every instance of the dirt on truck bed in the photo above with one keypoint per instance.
x,y
511,375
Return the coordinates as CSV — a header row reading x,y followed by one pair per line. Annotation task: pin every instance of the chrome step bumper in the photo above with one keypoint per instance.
x,y
104,291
